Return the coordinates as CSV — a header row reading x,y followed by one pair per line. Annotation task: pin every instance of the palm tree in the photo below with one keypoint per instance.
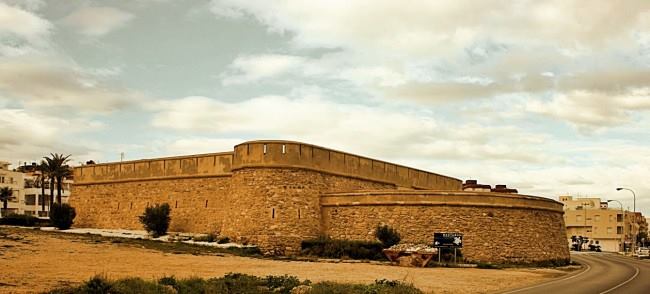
x,y
61,173
5,194
57,169
42,168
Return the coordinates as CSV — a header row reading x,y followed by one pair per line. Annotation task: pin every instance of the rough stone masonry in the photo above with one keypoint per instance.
x,y
277,193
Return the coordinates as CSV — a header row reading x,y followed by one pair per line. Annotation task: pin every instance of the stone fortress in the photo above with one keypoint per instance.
x,y
277,193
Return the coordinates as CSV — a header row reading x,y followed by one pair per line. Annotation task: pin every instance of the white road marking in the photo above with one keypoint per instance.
x,y
551,282
626,281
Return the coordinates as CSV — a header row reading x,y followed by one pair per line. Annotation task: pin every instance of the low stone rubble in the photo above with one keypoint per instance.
x,y
411,247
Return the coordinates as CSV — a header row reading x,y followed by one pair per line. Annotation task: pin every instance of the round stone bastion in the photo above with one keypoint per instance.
x,y
496,227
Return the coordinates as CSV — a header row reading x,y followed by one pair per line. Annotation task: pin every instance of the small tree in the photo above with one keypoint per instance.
x,y
156,219
5,195
62,215
387,236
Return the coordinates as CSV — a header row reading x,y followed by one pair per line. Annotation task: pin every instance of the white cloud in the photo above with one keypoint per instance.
x,y
30,5
590,111
38,83
97,21
451,51
21,31
380,131
29,136
250,68
441,26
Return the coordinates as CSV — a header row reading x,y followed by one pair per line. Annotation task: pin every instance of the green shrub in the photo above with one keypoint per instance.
x,y
237,283
96,284
379,287
137,286
24,220
282,284
192,285
168,281
333,248
232,283
387,236
62,215
156,219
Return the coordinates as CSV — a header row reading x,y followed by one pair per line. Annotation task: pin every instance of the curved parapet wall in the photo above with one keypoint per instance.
x,y
287,154
497,227
191,166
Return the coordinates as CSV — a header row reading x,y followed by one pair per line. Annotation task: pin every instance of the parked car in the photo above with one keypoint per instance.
x,y
643,252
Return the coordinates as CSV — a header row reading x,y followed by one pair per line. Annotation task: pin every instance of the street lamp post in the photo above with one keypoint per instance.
x,y
584,208
633,215
622,235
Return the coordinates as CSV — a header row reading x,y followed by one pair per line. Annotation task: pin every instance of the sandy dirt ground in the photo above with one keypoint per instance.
x,y
34,261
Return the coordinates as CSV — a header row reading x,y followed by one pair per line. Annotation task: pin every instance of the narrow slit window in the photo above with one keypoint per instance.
x,y
118,205
284,149
206,203
176,204
273,213
131,207
298,213
264,148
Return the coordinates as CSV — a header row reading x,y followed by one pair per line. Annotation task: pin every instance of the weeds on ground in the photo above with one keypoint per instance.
x,y
168,247
234,283
334,248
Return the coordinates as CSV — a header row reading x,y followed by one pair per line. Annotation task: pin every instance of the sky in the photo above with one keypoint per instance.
x,y
549,97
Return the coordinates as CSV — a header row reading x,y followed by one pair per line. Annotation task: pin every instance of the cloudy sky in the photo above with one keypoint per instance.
x,y
551,97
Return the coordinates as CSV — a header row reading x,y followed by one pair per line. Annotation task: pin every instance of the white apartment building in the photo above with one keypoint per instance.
x,y
27,195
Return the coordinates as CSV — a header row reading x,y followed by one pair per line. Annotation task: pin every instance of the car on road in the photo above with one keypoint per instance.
x,y
643,252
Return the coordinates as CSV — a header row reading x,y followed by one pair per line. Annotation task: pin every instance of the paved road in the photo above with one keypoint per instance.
x,y
603,273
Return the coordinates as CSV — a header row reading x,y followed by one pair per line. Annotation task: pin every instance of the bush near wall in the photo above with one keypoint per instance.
x,y
333,248
387,236
156,219
62,215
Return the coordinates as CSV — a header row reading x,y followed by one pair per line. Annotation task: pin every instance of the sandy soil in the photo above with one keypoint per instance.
x,y
34,261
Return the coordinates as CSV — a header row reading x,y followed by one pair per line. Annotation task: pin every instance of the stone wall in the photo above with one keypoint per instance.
x,y
280,179
198,204
278,193
496,227
286,154
190,166
277,208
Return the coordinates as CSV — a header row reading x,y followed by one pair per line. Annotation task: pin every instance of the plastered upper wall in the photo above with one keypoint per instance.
x,y
440,198
289,154
192,166
285,154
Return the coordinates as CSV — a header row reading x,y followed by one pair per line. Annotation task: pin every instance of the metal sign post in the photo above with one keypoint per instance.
x,y
454,255
447,240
